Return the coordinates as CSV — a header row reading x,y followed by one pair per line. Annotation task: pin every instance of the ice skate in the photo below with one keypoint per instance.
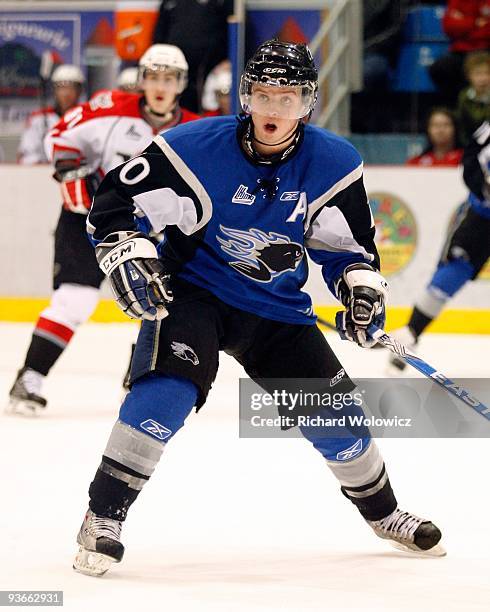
x,y
99,545
396,365
409,533
24,398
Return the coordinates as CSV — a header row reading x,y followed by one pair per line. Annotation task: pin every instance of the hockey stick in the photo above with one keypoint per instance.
x,y
326,323
45,72
422,366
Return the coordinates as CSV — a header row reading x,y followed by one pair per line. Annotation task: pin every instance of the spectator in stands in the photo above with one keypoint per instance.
x,y
474,101
443,146
467,23
200,29
383,20
216,99
67,81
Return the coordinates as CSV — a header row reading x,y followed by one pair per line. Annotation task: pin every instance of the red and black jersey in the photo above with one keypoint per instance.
x,y
99,135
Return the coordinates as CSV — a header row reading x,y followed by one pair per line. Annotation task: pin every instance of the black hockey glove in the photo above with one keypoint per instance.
x,y
137,277
363,292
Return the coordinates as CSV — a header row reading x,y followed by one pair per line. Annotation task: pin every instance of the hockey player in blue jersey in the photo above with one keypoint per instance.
x,y
467,247
240,203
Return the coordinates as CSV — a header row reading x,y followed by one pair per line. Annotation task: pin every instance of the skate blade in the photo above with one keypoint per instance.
x,y
92,563
435,551
23,408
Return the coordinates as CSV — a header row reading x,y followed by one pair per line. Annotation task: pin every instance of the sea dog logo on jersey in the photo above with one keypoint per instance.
x,y
351,452
261,256
155,429
184,352
242,196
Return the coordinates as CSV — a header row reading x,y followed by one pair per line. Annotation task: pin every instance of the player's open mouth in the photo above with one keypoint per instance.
x,y
160,98
270,128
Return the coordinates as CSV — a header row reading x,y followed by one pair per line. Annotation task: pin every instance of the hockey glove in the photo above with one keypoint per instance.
x,y
78,187
137,277
363,292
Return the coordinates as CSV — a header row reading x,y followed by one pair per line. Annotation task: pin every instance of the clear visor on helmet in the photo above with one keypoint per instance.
x,y
274,99
166,77
66,83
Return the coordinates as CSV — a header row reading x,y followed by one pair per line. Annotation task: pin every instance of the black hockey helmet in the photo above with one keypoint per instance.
x,y
281,64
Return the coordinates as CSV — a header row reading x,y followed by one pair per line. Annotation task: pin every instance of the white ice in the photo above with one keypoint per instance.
x,y
229,524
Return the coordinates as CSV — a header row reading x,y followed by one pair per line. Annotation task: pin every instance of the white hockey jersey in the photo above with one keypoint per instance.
x,y
94,137
31,147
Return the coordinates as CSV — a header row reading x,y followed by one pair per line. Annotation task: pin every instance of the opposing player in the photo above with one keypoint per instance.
x,y
90,140
240,203
67,82
466,251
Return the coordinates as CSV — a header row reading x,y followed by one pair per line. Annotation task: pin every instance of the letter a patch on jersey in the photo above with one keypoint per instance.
x,y
242,196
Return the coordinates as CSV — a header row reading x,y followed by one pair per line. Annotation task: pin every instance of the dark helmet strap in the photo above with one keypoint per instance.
x,y
247,137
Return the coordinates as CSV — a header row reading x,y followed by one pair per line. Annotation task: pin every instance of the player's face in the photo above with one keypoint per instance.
x,y
272,109
224,103
441,130
66,95
161,89
480,78
277,102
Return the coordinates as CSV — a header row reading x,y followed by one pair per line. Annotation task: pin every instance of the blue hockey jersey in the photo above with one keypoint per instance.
x,y
240,229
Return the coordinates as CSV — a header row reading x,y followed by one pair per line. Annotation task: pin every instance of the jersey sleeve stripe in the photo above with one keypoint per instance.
x,y
344,182
190,178
164,207
330,231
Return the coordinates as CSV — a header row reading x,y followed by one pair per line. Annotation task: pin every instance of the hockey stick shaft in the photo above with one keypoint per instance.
x,y
422,366
326,323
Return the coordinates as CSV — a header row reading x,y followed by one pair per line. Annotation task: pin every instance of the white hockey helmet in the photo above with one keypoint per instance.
x,y
165,57
223,83
127,79
67,74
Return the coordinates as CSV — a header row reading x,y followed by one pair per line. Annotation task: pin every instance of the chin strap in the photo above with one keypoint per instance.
x,y
275,144
160,120
247,137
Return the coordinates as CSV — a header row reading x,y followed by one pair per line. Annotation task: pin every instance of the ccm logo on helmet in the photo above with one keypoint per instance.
x,y
278,70
115,256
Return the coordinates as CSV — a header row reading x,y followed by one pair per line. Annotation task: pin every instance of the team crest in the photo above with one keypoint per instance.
x,y
242,196
260,255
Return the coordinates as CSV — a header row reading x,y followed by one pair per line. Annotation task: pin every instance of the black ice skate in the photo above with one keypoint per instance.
x,y
396,364
409,533
99,545
24,398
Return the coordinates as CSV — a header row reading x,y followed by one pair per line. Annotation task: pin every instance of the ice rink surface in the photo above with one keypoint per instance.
x,y
229,524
